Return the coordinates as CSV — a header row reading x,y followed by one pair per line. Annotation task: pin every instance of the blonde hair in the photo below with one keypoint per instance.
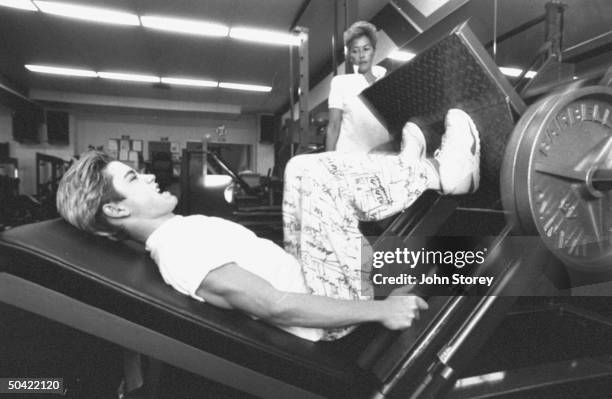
x,y
360,29
82,192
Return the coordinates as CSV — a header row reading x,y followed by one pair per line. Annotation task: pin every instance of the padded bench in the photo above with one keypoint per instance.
x,y
113,290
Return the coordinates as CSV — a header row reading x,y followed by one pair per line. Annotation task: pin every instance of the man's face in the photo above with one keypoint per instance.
x,y
361,53
141,193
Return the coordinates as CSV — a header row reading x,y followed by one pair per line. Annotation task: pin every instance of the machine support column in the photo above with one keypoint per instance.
x,y
303,89
349,13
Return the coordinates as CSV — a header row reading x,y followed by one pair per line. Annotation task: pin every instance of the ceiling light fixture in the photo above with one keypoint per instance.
x,y
93,14
516,72
265,36
247,87
61,71
129,77
188,26
189,82
402,56
19,4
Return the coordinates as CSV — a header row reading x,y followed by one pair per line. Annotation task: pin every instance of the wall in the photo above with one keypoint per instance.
x,y
6,131
26,153
96,127
265,158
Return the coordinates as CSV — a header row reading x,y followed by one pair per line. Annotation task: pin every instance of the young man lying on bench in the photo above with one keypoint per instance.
x,y
315,288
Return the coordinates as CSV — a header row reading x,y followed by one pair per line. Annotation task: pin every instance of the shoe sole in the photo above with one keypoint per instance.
x,y
475,183
475,152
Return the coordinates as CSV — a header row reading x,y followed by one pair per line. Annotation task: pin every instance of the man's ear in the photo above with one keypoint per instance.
x,y
115,210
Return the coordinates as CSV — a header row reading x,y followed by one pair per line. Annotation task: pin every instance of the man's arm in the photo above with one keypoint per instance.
x,y
230,286
333,129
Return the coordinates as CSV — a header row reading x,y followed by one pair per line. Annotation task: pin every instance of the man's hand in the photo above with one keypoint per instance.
x,y
401,308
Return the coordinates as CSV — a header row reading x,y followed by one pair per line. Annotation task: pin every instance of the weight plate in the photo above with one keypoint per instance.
x,y
554,150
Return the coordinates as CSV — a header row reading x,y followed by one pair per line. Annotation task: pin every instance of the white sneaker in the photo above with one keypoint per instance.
x,y
413,142
459,154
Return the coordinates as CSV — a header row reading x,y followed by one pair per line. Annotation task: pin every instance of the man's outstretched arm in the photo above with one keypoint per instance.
x,y
233,287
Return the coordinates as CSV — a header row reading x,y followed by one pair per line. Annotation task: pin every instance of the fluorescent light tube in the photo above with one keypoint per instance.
x,y
61,71
94,14
129,77
189,82
188,26
516,72
19,4
247,87
265,36
399,55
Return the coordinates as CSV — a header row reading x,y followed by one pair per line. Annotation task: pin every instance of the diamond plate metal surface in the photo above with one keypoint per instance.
x,y
448,75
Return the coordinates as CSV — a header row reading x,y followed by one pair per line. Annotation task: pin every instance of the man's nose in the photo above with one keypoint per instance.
x,y
149,178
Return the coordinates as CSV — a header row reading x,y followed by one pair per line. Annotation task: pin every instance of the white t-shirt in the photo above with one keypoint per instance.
x,y
187,248
360,131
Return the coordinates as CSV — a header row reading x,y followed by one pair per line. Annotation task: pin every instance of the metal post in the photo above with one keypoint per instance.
x,y
495,30
304,87
333,40
554,28
351,13
549,56
289,137
204,159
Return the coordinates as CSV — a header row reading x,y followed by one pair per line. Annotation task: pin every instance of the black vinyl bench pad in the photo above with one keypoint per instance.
x,y
121,279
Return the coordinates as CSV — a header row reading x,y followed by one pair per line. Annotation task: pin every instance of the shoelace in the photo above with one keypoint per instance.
x,y
438,152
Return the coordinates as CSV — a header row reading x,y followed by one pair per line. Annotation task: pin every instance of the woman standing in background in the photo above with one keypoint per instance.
x,y
352,127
